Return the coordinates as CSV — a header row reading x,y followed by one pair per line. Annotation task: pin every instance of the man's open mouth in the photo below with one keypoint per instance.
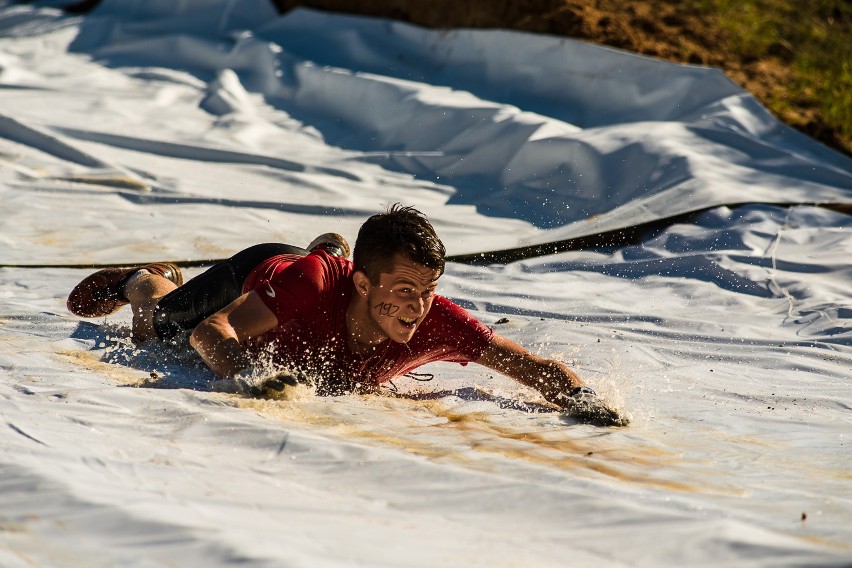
x,y
407,322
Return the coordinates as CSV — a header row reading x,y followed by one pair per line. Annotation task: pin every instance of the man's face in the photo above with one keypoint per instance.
x,y
399,302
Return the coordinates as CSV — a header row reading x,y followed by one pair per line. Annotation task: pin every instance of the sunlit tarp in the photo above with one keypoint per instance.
x,y
521,139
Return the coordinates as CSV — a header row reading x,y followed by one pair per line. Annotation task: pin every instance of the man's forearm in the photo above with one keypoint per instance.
x,y
222,352
550,377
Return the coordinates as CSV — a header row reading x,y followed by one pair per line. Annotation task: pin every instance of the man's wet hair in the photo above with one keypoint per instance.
x,y
400,230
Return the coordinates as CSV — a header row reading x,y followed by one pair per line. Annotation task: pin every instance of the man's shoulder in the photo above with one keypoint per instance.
x,y
321,264
321,256
312,286
313,274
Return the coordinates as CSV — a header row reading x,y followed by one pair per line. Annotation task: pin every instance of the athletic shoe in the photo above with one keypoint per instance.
x,y
332,243
102,293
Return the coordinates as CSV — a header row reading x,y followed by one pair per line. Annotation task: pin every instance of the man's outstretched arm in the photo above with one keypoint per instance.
x,y
553,379
219,338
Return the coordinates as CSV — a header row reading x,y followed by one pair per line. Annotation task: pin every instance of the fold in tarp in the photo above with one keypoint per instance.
x,y
574,139
514,143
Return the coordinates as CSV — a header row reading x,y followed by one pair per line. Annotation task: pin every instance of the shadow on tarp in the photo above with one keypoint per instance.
x,y
608,239
473,394
168,364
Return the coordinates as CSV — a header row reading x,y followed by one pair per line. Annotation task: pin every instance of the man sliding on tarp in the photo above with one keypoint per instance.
x,y
348,325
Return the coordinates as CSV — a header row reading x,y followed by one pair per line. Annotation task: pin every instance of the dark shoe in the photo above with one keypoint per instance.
x,y
332,243
102,293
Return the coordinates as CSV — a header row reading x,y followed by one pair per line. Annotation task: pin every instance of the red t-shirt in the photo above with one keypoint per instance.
x,y
309,295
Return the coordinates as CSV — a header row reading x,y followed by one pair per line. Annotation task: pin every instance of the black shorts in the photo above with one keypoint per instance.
x,y
184,308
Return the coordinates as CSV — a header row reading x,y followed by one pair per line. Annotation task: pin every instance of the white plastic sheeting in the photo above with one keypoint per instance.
x,y
187,130
531,139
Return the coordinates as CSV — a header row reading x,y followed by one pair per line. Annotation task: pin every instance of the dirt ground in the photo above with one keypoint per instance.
x,y
659,28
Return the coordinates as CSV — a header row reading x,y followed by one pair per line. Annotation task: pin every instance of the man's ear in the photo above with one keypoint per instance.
x,y
362,283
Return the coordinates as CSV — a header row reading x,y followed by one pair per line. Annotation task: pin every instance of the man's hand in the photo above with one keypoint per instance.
x,y
584,405
270,386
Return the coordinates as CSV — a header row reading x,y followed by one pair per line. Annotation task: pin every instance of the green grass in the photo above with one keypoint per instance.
x,y
813,36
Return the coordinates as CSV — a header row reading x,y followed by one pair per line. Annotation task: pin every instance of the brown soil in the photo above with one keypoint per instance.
x,y
659,28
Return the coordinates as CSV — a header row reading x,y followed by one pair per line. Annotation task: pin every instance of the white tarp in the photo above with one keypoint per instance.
x,y
153,130
518,139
